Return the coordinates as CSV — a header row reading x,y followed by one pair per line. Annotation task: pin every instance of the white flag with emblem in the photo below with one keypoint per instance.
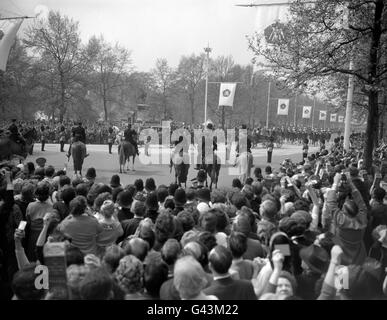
x,y
323,115
7,39
273,11
340,119
306,112
333,117
226,94
283,107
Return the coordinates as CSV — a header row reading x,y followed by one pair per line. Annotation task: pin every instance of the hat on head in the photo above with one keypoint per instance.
x,y
91,174
316,258
180,197
203,207
41,161
115,181
201,176
204,194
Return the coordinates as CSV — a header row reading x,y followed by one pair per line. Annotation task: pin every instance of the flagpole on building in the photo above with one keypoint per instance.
x,y
268,106
348,112
207,50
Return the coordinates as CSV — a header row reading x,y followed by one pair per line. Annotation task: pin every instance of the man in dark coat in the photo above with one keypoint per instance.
x,y
224,286
78,151
80,131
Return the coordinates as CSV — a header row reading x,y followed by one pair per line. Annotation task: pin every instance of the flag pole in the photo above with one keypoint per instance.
x,y
207,50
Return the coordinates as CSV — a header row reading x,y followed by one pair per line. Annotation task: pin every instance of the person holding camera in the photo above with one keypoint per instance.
x,y
349,221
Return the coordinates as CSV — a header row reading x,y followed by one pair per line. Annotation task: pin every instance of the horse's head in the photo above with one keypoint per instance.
x,y
30,135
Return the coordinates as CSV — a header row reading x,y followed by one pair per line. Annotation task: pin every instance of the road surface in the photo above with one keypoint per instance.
x,y
107,164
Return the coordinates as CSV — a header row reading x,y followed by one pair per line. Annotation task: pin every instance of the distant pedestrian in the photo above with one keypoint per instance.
x,y
270,147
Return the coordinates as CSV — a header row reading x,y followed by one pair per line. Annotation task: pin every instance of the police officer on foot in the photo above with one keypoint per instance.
x,y
80,133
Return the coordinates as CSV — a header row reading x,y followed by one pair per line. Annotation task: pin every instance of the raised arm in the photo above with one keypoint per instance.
x,y
328,289
316,206
20,254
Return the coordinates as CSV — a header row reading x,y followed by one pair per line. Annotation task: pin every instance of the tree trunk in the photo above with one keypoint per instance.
x,y
192,101
372,128
373,107
62,107
105,107
165,106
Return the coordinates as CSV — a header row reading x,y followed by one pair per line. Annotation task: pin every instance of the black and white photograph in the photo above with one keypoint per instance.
x,y
169,150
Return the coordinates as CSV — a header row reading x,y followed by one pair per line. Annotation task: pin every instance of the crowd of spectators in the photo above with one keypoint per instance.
x,y
310,230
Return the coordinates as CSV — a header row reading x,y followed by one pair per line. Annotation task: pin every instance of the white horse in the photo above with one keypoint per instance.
x,y
244,163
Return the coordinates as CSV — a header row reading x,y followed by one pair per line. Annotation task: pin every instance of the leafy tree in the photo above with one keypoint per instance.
x,y
164,80
316,44
190,74
110,64
58,49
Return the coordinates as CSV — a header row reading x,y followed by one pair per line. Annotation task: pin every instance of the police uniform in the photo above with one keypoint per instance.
x,y
129,136
80,132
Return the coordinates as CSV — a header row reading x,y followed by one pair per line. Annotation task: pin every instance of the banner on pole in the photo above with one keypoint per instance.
x,y
333,117
340,119
7,39
226,94
323,115
283,107
306,112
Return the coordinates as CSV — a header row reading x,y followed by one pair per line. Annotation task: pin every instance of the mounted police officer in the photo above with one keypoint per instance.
x,y
15,135
130,135
80,132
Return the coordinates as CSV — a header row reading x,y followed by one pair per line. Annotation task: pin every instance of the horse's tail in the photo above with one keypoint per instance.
x,y
121,153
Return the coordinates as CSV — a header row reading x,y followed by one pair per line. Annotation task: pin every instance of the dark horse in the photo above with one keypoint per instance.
x,y
125,151
181,169
9,148
30,137
212,171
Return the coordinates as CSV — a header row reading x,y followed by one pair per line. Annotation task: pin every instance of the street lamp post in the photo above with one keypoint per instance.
x,y
207,50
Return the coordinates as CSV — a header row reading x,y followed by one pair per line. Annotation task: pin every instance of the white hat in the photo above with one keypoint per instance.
x,y
203,207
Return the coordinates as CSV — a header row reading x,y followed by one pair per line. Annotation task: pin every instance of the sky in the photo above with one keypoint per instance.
x,y
153,29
